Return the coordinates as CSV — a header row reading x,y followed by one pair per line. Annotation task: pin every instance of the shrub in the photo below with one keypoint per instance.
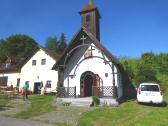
x,y
95,100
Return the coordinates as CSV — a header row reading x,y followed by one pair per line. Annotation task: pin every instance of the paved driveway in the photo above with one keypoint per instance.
x,y
7,121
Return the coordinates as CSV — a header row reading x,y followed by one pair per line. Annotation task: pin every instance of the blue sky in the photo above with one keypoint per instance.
x,y
128,27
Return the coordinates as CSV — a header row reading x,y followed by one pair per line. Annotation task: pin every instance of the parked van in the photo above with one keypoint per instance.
x,y
149,93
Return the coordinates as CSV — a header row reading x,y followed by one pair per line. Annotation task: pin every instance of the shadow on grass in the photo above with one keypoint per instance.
x,y
5,108
164,104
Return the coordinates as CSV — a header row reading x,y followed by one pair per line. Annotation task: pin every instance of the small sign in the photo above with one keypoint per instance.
x,y
88,54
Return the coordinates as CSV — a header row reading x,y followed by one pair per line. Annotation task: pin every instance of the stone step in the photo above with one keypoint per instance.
x,y
87,101
79,105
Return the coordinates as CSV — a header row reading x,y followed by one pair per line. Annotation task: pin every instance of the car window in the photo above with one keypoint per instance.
x,y
149,88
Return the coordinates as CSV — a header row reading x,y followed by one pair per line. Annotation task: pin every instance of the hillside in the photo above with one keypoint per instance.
x,y
149,67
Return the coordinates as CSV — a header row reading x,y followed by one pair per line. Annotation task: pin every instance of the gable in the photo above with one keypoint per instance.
x,y
36,61
21,63
77,42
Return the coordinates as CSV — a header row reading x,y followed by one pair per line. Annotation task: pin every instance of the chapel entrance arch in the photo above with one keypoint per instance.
x,y
89,84
86,83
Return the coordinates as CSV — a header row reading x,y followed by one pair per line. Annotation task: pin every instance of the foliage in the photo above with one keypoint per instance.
x,y
149,68
3,51
62,43
162,61
57,45
52,43
39,105
145,73
163,80
17,46
95,100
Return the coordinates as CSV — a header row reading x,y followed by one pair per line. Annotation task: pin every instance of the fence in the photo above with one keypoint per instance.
x,y
104,91
65,92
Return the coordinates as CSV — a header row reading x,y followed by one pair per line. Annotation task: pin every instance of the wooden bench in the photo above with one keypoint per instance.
x,y
9,92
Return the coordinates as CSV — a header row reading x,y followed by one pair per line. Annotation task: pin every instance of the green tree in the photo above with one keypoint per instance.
x,y
149,68
162,60
146,69
18,47
3,51
145,73
128,69
62,43
52,43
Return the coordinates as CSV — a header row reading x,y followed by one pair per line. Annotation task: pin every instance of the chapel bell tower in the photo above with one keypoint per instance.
x,y
91,19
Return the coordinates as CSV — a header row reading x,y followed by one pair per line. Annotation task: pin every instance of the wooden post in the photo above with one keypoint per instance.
x,y
75,91
114,89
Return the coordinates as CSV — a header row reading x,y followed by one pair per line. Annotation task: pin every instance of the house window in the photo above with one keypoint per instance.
x,y
48,84
33,62
43,61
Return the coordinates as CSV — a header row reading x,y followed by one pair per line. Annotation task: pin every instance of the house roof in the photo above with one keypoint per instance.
x,y
9,69
75,42
51,53
17,65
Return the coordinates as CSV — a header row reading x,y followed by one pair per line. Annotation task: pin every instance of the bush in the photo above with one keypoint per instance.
x,y
95,101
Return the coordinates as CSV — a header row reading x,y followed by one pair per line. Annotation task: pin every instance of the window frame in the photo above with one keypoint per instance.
x,y
48,84
43,61
34,62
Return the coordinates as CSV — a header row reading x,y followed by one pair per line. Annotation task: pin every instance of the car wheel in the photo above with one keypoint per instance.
x,y
163,104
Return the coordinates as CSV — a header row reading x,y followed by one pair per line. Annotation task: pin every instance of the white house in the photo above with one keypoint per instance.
x,y
86,67
36,70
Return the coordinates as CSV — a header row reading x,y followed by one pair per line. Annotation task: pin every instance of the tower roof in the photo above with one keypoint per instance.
x,y
89,7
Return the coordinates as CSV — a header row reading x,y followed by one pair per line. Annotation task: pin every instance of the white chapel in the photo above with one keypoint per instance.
x,y
86,67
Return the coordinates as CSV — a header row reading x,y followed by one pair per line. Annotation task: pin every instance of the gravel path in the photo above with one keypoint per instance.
x,y
62,116
65,115
7,121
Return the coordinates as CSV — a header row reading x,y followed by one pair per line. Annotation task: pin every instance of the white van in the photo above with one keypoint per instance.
x,y
149,93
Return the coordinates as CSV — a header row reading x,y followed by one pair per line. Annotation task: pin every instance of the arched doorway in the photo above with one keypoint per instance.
x,y
86,82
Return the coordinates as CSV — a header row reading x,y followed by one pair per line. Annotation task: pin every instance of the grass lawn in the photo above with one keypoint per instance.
x,y
128,114
3,101
38,105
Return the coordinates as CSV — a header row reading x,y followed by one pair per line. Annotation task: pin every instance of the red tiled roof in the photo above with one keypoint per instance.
x,y
88,7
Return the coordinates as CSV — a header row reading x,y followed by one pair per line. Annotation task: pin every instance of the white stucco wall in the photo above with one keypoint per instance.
x,y
12,78
39,73
96,65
